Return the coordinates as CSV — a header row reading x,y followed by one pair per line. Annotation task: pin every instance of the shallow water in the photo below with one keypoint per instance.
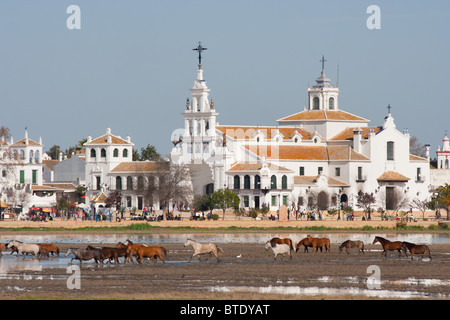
x,y
419,238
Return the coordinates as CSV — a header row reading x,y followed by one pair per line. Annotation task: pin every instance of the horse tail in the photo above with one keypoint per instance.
x,y
219,249
165,251
291,245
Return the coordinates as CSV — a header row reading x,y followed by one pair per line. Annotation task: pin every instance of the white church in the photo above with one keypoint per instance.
x,y
321,149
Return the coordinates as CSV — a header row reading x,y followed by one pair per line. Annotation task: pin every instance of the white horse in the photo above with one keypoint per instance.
x,y
203,248
25,247
279,249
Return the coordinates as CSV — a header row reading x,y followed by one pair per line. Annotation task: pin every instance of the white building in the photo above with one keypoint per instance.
x,y
321,149
110,167
441,175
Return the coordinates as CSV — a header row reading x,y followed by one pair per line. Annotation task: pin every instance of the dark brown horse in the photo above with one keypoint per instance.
x,y
305,243
390,245
287,241
416,249
107,253
319,242
352,244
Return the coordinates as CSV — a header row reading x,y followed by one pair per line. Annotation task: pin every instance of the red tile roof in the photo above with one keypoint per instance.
x,y
250,132
314,115
393,176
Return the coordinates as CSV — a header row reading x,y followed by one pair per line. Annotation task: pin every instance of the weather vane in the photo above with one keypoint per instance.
x,y
199,49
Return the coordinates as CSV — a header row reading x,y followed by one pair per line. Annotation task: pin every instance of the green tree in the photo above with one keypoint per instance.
x,y
54,151
225,199
366,200
147,153
443,195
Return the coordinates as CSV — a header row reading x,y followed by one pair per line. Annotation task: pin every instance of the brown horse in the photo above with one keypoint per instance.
x,y
319,242
2,247
390,245
49,248
287,241
107,252
122,252
305,243
416,249
352,244
148,252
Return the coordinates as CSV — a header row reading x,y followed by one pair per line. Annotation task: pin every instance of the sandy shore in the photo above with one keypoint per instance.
x,y
242,223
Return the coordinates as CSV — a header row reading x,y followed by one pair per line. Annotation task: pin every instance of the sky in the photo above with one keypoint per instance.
x,y
130,65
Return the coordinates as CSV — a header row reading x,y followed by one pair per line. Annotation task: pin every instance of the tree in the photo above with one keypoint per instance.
x,y
114,200
147,153
169,183
365,200
225,199
422,205
54,151
443,195
416,148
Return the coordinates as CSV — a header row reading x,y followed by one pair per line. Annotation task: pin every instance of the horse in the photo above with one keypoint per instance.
x,y
86,254
149,252
416,248
25,247
278,248
50,248
2,247
306,243
203,248
107,252
390,245
287,241
122,252
319,242
352,244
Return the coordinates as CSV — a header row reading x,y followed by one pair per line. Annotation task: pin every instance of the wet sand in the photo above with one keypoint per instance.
x,y
245,271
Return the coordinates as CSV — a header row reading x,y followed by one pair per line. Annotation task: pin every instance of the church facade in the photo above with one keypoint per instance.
x,y
321,151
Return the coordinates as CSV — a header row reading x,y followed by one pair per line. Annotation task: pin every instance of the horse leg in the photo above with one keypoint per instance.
x,y
159,255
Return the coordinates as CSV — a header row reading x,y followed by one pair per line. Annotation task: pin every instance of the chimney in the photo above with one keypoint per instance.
x,y
357,140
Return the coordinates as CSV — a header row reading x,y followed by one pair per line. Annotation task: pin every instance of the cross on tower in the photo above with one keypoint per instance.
x,y
323,62
389,108
199,49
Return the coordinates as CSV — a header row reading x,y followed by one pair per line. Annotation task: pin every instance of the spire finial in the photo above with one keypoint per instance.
x,y
389,108
323,62
199,49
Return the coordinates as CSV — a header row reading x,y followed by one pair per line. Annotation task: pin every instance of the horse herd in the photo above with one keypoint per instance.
x,y
285,246
129,250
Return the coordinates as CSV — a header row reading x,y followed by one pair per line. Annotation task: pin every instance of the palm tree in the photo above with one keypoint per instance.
x,y
444,197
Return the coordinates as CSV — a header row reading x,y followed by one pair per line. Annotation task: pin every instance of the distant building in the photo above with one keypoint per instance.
x,y
441,174
321,151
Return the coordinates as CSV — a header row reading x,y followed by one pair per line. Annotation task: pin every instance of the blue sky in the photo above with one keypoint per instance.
x,y
131,65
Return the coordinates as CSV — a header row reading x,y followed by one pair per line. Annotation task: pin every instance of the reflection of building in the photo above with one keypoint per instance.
x,y
321,151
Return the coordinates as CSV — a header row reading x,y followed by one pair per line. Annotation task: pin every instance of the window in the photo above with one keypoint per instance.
x,y
284,182
237,182
140,183
93,153
129,183
418,174
273,182
257,182
4,173
98,183
247,182
337,172
34,176
118,183
390,150
129,202
285,200
274,200
103,153
316,103
302,171
331,104
319,170
22,176
246,201
300,201
125,153
360,177
116,153
205,147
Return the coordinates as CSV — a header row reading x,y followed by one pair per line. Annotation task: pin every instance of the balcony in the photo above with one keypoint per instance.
x,y
361,178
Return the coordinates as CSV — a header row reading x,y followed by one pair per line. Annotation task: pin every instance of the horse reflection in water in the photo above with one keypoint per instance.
x,y
203,248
